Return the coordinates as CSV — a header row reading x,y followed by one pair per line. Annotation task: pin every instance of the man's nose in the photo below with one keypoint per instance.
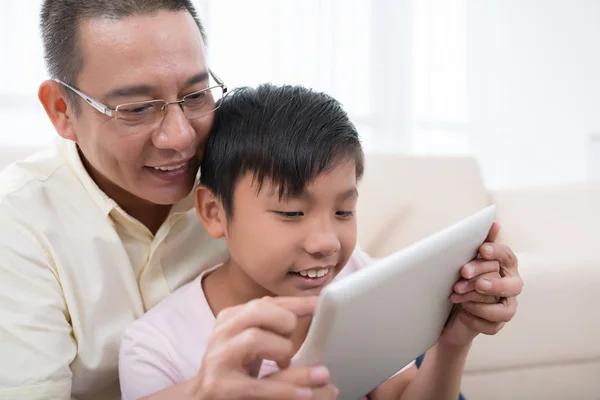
x,y
175,131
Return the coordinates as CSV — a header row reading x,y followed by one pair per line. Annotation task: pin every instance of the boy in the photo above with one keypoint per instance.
x,y
279,182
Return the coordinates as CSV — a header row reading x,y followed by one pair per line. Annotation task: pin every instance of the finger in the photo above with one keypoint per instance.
x,y
501,252
493,233
301,306
499,312
256,343
244,351
261,313
478,267
264,389
480,325
307,377
509,286
328,392
465,286
474,297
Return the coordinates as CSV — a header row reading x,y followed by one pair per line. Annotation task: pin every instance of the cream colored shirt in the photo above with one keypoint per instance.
x,y
75,270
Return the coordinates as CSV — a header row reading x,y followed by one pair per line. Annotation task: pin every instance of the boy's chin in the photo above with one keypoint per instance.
x,y
301,292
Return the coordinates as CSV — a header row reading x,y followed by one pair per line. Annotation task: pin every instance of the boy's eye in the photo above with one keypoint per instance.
x,y
345,214
290,214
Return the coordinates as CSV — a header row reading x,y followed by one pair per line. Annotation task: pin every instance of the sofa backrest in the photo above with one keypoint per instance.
x,y
405,198
561,219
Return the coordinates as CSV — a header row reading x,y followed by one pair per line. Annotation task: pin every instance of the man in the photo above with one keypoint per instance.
x,y
100,228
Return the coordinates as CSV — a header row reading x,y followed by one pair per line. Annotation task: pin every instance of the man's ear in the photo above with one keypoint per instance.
x,y
52,97
210,212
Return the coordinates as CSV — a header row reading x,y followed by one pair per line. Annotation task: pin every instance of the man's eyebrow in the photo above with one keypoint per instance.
x,y
146,90
130,91
200,77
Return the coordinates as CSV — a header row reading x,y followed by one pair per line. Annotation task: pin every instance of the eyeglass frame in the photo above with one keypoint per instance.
x,y
111,112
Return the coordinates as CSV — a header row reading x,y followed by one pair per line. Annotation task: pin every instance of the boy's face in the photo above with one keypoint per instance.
x,y
295,246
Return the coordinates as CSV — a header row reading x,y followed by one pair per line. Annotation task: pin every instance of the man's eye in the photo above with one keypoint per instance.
x,y
345,214
140,110
290,214
195,96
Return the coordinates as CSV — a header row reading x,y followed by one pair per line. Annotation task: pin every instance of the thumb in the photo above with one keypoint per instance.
x,y
493,233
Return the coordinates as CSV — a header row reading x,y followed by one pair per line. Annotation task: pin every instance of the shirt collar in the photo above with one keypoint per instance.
x,y
71,152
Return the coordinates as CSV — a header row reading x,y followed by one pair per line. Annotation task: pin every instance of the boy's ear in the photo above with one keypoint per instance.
x,y
210,212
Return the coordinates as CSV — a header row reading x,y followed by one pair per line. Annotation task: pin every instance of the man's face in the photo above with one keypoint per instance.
x,y
297,246
139,58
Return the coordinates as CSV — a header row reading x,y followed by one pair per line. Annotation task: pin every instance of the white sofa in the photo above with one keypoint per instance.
x,y
551,350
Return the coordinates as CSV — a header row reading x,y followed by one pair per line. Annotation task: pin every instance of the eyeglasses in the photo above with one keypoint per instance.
x,y
147,113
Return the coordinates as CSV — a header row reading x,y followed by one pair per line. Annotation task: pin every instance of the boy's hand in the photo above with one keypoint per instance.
x,y
487,294
246,334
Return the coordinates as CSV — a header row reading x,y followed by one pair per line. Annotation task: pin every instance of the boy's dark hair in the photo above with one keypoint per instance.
x,y
287,134
59,23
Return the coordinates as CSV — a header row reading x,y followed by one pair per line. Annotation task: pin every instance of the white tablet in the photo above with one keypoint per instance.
x,y
374,322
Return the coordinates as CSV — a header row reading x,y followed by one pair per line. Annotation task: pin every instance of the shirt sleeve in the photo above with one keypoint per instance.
x,y
36,342
145,362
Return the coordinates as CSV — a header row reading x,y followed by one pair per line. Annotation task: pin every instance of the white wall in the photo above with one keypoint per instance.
x,y
534,88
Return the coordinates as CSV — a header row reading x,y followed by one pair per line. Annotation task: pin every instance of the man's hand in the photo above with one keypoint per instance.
x,y
246,334
487,293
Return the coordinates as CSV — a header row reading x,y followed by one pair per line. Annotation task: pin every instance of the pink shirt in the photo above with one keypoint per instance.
x,y
166,345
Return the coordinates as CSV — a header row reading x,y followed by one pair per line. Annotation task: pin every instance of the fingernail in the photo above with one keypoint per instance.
x,y
485,284
487,250
461,286
319,375
304,393
469,270
336,392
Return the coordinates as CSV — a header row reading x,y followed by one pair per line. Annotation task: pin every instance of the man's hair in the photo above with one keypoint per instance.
x,y
60,21
286,134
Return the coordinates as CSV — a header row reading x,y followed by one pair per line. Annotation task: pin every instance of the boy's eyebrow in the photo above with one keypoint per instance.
x,y
349,194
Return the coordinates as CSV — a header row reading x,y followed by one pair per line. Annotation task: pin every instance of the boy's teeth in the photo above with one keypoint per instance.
x,y
315,273
173,168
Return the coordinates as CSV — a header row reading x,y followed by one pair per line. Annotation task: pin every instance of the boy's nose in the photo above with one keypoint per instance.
x,y
323,242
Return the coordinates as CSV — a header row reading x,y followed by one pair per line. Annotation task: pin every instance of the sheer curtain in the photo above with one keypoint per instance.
x,y
23,121
398,67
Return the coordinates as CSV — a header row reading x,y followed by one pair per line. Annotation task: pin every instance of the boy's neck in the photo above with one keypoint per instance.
x,y
228,287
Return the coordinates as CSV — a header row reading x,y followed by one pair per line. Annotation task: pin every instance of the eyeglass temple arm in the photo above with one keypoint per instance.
x,y
218,80
96,104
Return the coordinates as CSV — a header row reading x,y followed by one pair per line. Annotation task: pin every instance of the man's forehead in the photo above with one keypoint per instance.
x,y
142,49
159,31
